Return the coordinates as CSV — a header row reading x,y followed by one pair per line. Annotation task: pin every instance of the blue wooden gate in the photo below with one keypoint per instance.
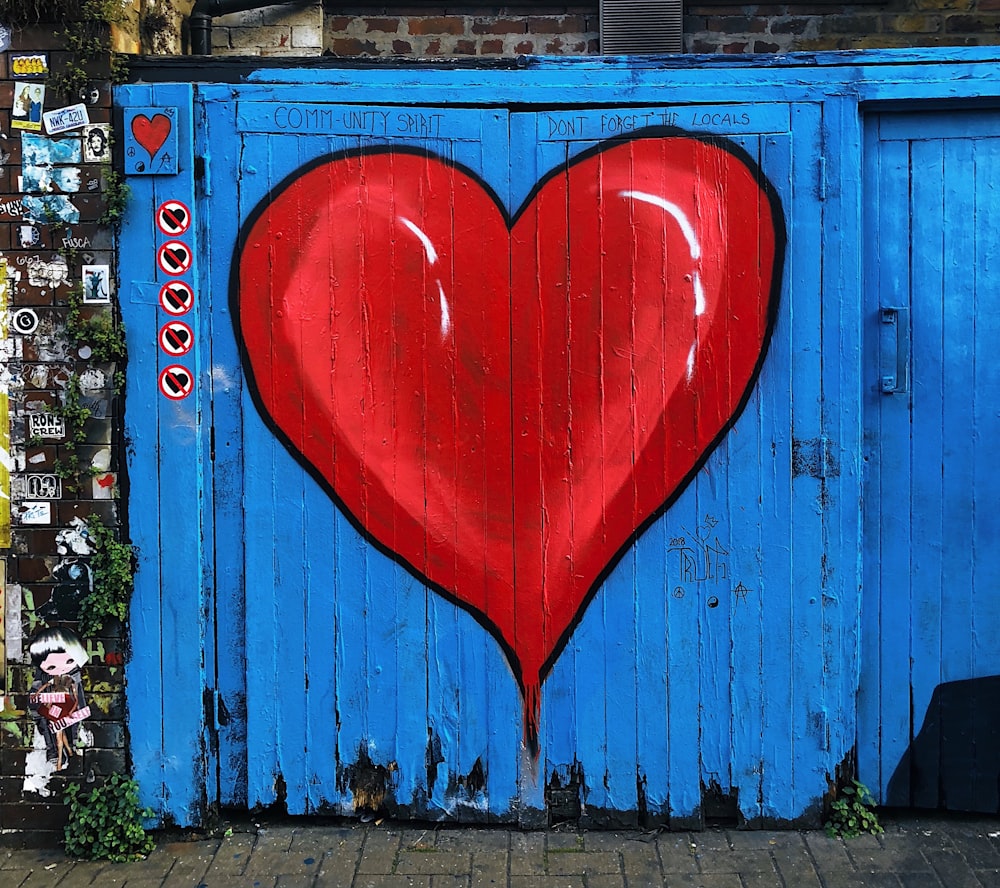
x,y
930,692
283,650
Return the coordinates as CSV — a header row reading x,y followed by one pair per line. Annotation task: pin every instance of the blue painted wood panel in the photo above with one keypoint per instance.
x,y
928,684
714,673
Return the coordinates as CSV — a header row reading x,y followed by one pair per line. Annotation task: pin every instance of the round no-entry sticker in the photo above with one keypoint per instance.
x,y
174,257
176,298
173,218
176,382
176,338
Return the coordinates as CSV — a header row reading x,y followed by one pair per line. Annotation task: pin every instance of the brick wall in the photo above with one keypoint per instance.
x,y
52,195
428,32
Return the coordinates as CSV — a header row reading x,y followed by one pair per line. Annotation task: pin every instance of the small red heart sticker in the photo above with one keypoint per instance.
x,y
151,133
503,403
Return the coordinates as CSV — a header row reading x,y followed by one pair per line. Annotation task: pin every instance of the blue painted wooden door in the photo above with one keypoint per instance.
x,y
929,728
697,679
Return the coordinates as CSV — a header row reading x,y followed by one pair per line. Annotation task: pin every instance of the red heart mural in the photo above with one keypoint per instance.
x,y
151,133
504,404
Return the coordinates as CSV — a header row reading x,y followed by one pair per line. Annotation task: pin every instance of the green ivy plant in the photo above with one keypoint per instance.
x,y
112,567
116,196
75,415
103,332
106,823
852,814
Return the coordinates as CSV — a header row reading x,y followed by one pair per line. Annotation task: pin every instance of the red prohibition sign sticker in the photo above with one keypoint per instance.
x,y
173,218
176,298
176,338
176,382
174,257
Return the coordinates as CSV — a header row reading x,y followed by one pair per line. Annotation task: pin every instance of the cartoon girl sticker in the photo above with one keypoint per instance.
x,y
56,697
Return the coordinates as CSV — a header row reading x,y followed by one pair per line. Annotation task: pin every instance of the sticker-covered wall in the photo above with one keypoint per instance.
x,y
63,573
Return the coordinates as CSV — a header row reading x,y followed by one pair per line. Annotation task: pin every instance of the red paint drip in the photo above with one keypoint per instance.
x,y
532,716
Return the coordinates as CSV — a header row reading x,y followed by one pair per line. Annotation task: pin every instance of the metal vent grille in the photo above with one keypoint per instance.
x,y
641,26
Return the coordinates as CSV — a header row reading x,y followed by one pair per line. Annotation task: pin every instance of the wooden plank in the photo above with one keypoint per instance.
x,y
958,289
777,586
218,144
985,430
811,509
891,560
928,211
263,491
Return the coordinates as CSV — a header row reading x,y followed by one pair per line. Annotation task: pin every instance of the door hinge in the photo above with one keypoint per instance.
x,y
821,173
211,443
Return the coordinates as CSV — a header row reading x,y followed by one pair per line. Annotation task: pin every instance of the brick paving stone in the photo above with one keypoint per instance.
x,y
379,852
569,863
547,882
302,880
677,855
564,842
231,858
705,880
952,869
151,883
79,874
14,878
527,854
796,867
919,880
762,880
473,839
892,860
336,871
29,858
862,880
762,840
711,840
736,862
431,862
641,863
489,868
599,840
829,854
450,882
367,880
978,851
609,881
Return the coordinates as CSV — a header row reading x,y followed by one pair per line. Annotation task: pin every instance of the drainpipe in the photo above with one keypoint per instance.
x,y
200,22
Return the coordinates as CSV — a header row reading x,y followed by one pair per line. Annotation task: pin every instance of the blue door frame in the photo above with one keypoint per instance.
x,y
751,704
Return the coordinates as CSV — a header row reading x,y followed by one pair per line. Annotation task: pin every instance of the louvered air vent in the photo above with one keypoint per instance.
x,y
640,26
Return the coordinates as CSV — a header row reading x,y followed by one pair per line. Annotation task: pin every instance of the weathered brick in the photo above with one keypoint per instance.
x,y
436,25
491,47
388,25
910,24
963,24
500,26
352,46
402,47
525,47
788,25
562,24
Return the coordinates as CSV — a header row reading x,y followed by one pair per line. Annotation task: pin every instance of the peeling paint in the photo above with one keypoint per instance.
x,y
370,784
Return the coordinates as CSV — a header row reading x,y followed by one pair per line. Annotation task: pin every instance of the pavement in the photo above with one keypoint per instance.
x,y
913,852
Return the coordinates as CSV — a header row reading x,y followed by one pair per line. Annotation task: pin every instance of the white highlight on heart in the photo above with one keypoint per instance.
x,y
687,229
445,311
432,255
